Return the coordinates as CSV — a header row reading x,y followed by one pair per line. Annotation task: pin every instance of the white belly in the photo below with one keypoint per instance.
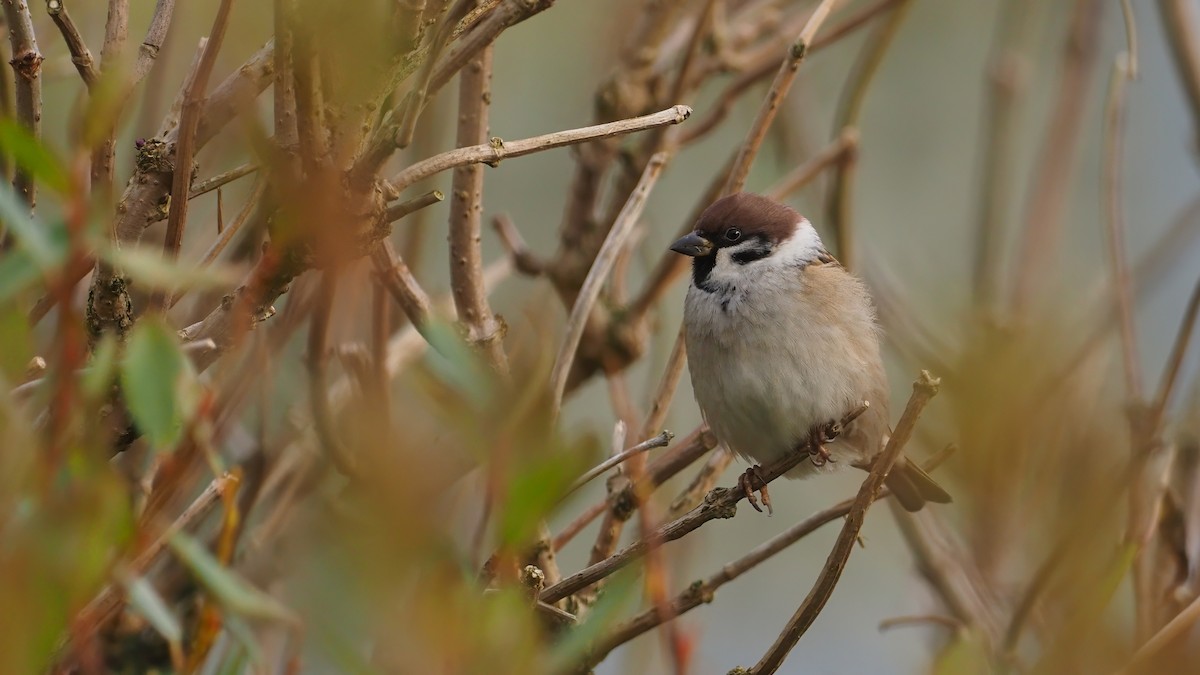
x,y
763,381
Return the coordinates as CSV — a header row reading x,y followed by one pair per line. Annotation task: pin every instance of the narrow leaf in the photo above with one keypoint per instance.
x,y
27,153
149,604
233,592
150,378
152,271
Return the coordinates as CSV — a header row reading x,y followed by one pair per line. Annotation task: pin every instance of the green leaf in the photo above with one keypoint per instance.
x,y
151,270
27,153
230,590
151,379
964,656
31,234
534,490
149,604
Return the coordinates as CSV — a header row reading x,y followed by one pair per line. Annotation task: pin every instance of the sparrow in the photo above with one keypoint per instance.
x,y
782,343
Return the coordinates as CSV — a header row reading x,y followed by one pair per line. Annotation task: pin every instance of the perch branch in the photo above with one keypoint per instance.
x,y
718,503
924,388
703,592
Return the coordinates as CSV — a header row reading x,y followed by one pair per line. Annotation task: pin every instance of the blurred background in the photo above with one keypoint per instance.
x,y
1034,394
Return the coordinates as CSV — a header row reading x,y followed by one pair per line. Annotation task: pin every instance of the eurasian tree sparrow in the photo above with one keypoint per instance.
x,y
781,341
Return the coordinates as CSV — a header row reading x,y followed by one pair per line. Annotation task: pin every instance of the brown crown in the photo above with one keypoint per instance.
x,y
752,214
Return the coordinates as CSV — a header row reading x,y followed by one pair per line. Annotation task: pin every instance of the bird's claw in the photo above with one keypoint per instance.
x,y
818,454
746,483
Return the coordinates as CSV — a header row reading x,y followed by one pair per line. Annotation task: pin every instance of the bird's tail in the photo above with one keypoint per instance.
x,y
913,487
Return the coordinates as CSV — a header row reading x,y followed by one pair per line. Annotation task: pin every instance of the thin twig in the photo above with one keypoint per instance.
x,y
694,446
1175,361
222,179
189,121
924,388
846,143
397,211
116,34
495,151
596,277
774,99
660,441
228,234
523,259
1049,185
718,503
401,285
1114,221
703,592
156,34
81,56
839,210
1005,83
318,368
758,68
667,385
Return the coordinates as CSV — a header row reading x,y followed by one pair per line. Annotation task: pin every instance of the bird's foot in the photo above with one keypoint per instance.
x,y
818,454
746,483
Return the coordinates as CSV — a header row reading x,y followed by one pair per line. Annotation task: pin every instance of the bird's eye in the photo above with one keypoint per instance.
x,y
733,234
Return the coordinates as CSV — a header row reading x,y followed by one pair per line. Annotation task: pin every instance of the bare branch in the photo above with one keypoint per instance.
x,y
779,89
1114,230
718,503
495,151
845,145
523,259
1006,81
401,284
1049,189
1175,361
839,206
924,388
152,43
660,470
596,277
27,64
703,592
466,214
189,120
397,211
222,179
660,441
318,362
81,56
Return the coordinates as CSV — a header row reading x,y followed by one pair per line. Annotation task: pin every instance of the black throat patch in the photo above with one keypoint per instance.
x,y
702,266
